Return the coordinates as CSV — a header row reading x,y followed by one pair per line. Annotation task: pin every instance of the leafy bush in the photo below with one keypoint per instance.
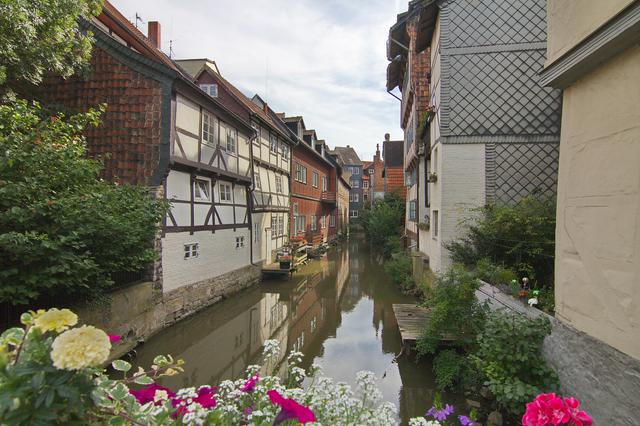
x,y
447,367
383,222
400,270
62,229
509,354
519,236
455,310
494,274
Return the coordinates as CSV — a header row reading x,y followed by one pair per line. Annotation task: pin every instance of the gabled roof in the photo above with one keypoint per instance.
x,y
348,155
195,67
393,153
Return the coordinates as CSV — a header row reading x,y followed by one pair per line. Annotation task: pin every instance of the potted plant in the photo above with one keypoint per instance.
x,y
285,261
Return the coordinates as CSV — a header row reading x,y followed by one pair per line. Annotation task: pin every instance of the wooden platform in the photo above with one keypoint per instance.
x,y
412,320
274,268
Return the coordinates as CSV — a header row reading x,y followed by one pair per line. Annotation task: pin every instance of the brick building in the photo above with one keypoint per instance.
x,y
393,176
352,164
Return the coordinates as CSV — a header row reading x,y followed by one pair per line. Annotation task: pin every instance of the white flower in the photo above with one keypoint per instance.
x,y
80,348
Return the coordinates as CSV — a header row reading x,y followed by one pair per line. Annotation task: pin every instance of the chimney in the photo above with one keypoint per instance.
x,y
387,136
265,107
377,150
153,33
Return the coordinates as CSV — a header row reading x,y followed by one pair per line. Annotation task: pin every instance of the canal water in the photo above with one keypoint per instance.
x,y
336,310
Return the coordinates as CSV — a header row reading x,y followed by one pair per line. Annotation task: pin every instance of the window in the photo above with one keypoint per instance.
x,y
365,184
314,223
301,173
323,222
300,224
356,170
256,178
353,213
273,143
191,250
210,89
239,242
208,129
365,197
201,190
281,225
256,232
370,171
413,208
279,184
354,198
224,190
325,183
231,140
332,221
284,150
314,179
434,160
435,224
355,184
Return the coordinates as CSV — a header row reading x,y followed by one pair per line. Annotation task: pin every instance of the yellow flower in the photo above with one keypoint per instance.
x,y
80,347
55,320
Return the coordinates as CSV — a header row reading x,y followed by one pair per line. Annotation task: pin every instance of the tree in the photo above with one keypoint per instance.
x,y
62,229
43,36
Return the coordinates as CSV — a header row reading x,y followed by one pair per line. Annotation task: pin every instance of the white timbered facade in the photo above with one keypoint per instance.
x,y
271,151
207,230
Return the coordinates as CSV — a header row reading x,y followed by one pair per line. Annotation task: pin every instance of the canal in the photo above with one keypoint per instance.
x,y
336,310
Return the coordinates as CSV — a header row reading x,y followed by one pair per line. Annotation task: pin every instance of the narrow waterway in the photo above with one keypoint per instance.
x,y
336,310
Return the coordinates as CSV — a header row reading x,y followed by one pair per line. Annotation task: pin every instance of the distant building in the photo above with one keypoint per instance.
x,y
353,165
392,167
375,172
367,182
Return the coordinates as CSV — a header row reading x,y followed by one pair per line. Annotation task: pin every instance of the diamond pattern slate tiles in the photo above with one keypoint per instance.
x,y
523,168
499,94
496,22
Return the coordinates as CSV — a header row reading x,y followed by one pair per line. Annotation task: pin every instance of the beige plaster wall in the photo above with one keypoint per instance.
x,y
598,221
570,21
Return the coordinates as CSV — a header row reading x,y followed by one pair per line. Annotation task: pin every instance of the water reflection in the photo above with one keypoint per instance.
x,y
336,310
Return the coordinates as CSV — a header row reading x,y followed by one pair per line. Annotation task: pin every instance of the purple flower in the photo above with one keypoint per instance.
x,y
465,421
440,415
250,384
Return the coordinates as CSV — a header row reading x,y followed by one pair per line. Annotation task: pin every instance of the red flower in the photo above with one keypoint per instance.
x,y
148,393
205,399
548,409
114,338
250,384
290,409
579,417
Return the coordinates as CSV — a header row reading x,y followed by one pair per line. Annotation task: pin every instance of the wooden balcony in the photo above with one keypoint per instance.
x,y
328,197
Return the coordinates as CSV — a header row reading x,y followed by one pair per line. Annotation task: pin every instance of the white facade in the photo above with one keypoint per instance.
x,y
206,232
271,172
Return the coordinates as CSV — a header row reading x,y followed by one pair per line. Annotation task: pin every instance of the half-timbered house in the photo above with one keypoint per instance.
x,y
163,131
271,156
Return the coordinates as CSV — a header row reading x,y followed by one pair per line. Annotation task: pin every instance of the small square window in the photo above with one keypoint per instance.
x,y
191,250
210,89
201,190
239,242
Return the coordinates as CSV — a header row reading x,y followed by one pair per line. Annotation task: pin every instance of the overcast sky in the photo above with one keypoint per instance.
x,y
322,59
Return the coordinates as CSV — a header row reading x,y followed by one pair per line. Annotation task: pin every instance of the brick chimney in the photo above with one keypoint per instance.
x,y
153,33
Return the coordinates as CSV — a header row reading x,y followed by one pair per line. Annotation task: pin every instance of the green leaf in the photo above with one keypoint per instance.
x,y
119,391
121,365
144,380
116,421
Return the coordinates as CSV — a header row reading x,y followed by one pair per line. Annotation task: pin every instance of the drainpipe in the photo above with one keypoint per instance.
x,y
250,199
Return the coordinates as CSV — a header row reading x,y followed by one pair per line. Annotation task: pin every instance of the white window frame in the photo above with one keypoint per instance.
x,y
323,222
314,223
281,225
279,184
231,143
332,221
257,181
325,184
365,184
356,171
355,184
210,89
239,242
435,224
199,186
191,250
353,213
209,129
314,179
222,190
273,143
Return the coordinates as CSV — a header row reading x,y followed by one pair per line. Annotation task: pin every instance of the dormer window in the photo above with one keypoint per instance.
x,y
210,89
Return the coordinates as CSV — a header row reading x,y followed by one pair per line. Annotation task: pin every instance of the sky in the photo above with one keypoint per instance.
x,y
322,59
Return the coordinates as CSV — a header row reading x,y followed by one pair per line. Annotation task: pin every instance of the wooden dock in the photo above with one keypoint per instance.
x,y
412,321
274,268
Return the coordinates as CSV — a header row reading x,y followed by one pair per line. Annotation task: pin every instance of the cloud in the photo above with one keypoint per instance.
x,y
323,59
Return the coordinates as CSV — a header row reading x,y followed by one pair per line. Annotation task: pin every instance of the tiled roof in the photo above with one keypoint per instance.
x,y
392,153
348,155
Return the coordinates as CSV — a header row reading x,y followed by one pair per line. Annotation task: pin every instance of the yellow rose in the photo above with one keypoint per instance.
x,y
55,320
80,347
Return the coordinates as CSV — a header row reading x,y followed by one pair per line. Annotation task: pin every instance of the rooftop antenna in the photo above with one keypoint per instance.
x,y
138,18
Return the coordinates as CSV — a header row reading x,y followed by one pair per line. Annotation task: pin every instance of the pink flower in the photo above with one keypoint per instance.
x,y
536,414
250,384
113,338
579,417
558,412
148,393
204,398
290,409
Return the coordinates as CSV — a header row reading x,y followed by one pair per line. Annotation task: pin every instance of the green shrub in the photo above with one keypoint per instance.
x,y
62,229
520,236
447,367
383,223
400,269
494,274
509,355
455,310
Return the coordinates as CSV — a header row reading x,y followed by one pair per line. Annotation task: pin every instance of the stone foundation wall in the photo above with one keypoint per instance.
x,y
139,311
605,380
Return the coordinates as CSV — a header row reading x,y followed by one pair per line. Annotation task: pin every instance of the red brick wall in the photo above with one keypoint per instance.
x,y
420,66
226,98
302,155
395,181
130,129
